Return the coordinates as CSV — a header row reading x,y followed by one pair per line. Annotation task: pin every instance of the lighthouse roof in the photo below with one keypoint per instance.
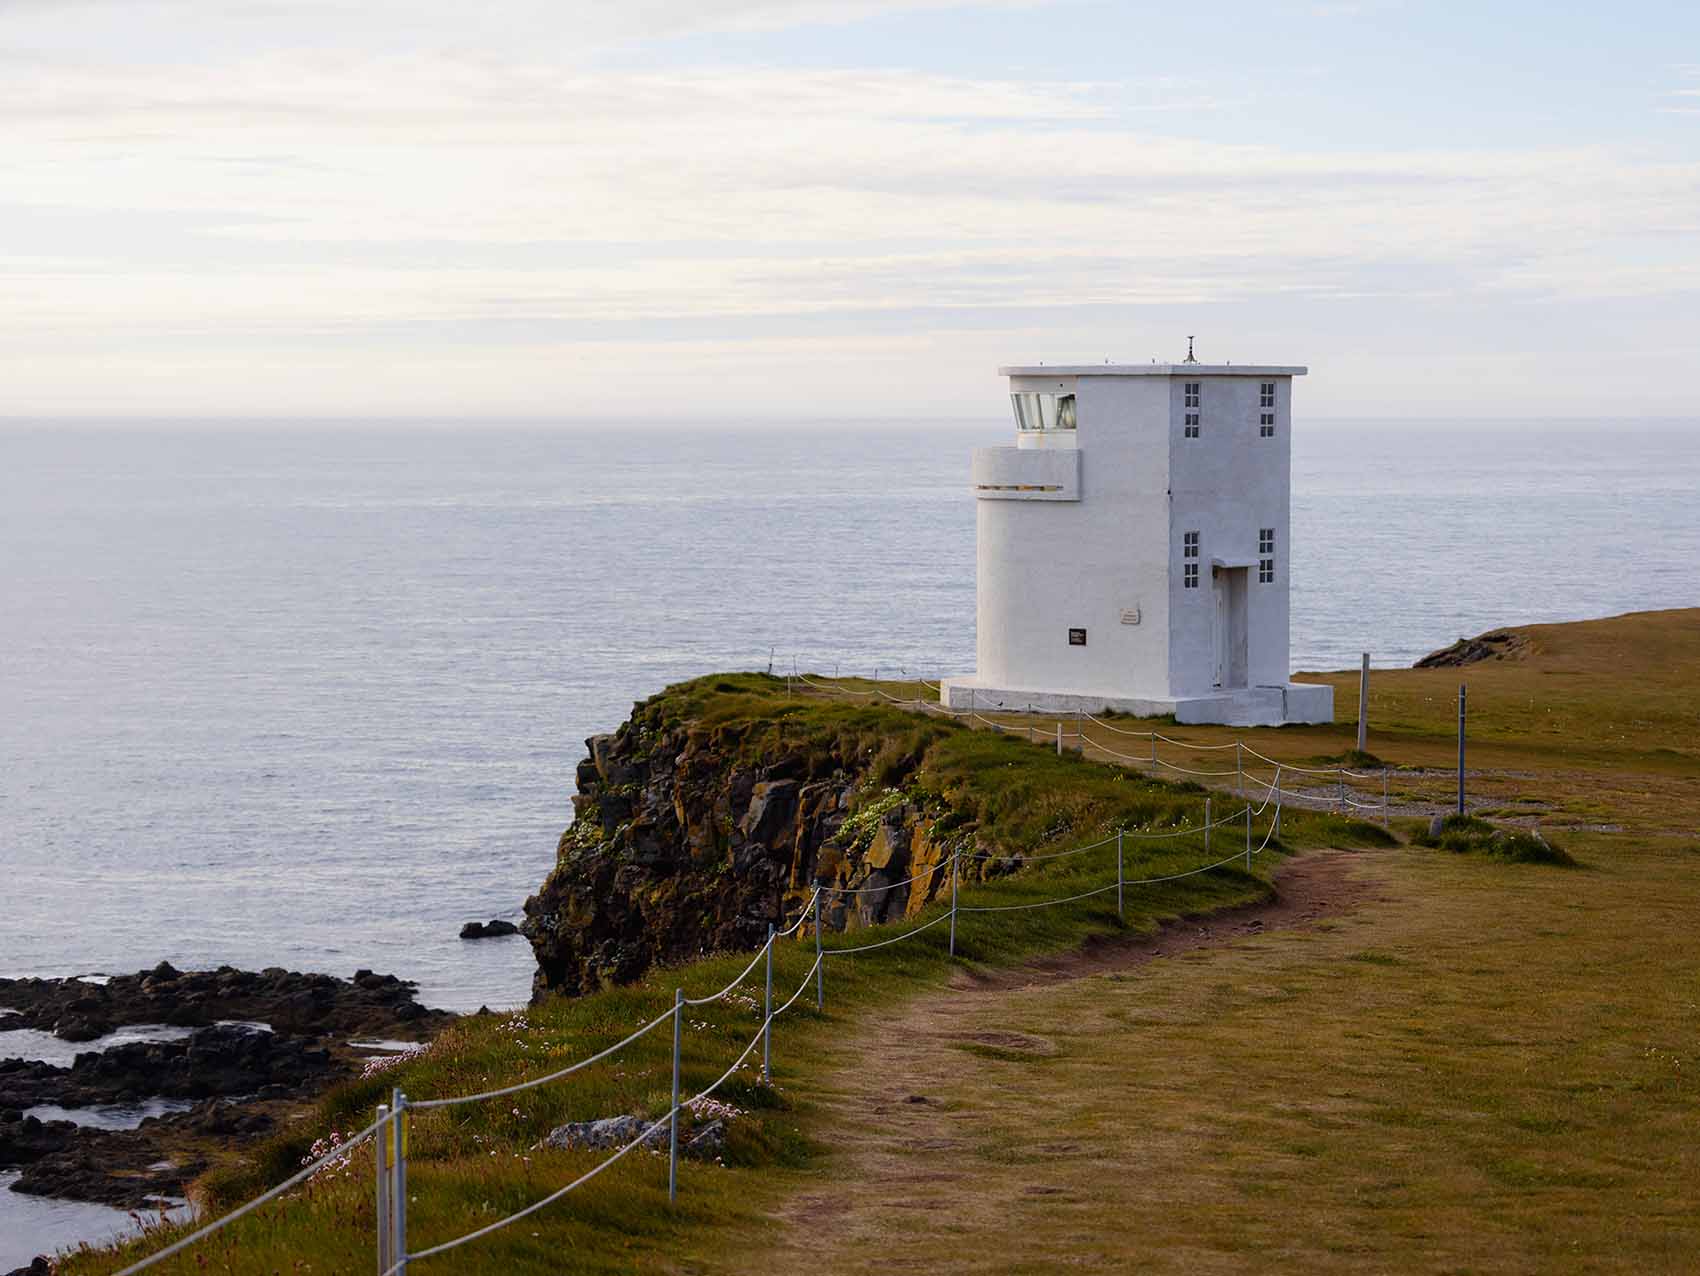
x,y
1152,370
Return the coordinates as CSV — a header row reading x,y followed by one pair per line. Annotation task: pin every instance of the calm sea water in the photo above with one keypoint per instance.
x,y
313,696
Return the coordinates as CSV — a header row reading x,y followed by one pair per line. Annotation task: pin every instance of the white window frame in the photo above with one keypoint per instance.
x,y
1193,392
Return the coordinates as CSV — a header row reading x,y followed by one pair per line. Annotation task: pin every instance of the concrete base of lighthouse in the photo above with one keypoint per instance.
x,y
1292,702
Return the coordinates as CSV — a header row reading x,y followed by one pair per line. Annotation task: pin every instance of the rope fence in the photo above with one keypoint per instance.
x,y
388,1132
1343,800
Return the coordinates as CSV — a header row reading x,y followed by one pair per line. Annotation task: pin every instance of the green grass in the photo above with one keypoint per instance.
x,y
472,1164
1489,1068
1468,834
1484,1069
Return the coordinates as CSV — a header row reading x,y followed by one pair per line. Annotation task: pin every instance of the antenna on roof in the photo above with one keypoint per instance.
x,y
1189,358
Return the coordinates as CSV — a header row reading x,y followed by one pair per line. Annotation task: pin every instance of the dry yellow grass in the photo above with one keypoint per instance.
x,y
1476,1067
1481,1068
1489,1068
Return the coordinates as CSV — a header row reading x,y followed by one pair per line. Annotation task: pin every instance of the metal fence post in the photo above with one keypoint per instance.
x,y
1121,914
1239,766
820,959
1248,837
767,1015
955,862
1460,748
381,1153
1363,706
1059,737
1207,826
1340,798
673,1117
1153,748
398,1183
1386,820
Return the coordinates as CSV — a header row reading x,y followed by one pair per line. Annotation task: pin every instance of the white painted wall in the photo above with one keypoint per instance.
x,y
1025,474
1044,569
1082,558
1226,484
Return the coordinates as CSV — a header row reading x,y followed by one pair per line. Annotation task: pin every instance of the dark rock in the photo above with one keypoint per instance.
x,y
38,1266
1499,644
222,1060
291,1002
491,929
78,1029
122,1168
26,1141
708,1142
689,840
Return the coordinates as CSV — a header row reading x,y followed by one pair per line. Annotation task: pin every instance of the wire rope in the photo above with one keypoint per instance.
x,y
341,1150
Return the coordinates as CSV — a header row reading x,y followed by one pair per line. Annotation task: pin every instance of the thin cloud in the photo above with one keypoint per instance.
x,y
197,223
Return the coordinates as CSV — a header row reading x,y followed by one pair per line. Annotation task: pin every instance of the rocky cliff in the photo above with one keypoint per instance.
x,y
693,832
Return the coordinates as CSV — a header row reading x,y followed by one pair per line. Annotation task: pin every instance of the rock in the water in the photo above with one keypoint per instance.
x,y
232,1069
491,929
226,1059
289,1001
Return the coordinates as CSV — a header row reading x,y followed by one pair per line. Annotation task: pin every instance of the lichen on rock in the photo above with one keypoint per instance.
x,y
693,833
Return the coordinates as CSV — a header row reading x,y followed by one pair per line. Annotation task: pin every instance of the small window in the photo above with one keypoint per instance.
x,y
1189,552
1266,571
1266,555
1192,425
1191,578
1192,393
1077,637
1189,544
1266,395
1266,425
1043,411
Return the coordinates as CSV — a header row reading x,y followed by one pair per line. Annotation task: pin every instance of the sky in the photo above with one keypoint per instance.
x,y
743,210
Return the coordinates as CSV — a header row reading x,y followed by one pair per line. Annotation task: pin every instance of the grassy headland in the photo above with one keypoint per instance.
x,y
1489,1067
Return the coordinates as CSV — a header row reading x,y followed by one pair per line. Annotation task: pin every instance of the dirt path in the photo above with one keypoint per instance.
x,y
914,1105
1306,889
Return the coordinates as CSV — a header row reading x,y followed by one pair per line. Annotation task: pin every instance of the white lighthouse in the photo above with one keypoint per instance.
x,y
1134,546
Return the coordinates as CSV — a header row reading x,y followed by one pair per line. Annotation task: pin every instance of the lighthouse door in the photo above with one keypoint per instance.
x,y
1219,587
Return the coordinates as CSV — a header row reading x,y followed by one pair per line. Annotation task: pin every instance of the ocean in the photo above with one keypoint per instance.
x,y
312,695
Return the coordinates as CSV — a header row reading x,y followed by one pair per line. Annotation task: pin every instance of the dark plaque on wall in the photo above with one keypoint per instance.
x,y
1077,637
